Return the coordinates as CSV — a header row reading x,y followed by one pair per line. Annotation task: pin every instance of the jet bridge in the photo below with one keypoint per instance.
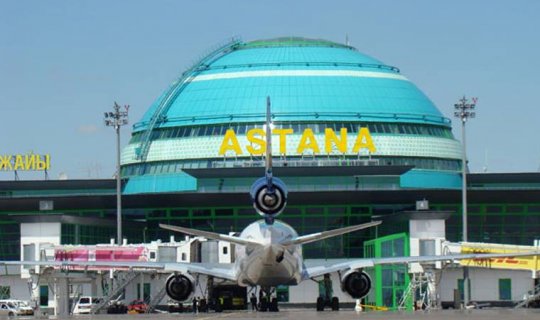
x,y
113,282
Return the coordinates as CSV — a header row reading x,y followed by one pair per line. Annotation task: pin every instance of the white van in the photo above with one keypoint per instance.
x,y
85,303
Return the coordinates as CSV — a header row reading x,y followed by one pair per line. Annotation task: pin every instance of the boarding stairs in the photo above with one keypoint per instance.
x,y
121,282
419,290
156,299
530,297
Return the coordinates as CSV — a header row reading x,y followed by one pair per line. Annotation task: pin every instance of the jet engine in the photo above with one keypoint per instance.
x,y
179,287
356,283
269,202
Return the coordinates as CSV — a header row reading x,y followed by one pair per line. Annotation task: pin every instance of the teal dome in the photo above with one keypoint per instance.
x,y
315,84
306,80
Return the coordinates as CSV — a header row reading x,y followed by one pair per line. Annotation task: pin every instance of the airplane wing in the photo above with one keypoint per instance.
x,y
218,270
321,269
211,235
328,234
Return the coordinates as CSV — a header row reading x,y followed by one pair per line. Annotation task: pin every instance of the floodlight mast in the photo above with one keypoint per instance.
x,y
463,111
117,119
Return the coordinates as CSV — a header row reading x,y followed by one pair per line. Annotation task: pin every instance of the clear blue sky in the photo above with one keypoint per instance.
x,y
63,63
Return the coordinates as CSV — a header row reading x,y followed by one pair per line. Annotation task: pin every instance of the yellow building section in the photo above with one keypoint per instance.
x,y
514,263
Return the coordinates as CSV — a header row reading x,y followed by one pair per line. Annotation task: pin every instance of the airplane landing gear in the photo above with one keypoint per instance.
x,y
326,298
332,303
268,301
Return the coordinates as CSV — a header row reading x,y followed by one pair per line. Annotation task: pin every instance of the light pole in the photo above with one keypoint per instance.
x,y
117,119
463,111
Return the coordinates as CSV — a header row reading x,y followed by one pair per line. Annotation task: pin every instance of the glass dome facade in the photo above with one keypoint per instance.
x,y
313,84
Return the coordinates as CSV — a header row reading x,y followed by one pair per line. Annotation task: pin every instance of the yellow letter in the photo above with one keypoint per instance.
x,y
257,141
282,139
19,162
230,142
363,140
30,161
307,141
330,137
41,164
5,162
47,161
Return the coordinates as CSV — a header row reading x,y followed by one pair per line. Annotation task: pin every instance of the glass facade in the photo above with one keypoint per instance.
x,y
509,223
317,127
389,282
10,243
176,166
505,223
305,220
84,234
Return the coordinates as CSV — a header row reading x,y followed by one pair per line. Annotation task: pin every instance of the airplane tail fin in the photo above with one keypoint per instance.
x,y
269,193
268,159
211,235
328,234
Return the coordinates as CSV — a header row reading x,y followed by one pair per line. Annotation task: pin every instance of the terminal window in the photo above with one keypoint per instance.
x,y
43,295
5,292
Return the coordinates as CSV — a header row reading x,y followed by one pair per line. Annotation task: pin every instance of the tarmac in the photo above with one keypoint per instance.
x,y
303,314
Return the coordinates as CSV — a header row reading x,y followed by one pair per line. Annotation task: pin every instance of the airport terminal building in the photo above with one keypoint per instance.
x,y
353,139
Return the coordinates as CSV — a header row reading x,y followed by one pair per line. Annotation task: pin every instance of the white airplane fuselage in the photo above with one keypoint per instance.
x,y
269,264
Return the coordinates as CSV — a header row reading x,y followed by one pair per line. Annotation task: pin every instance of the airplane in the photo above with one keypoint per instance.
x,y
269,251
